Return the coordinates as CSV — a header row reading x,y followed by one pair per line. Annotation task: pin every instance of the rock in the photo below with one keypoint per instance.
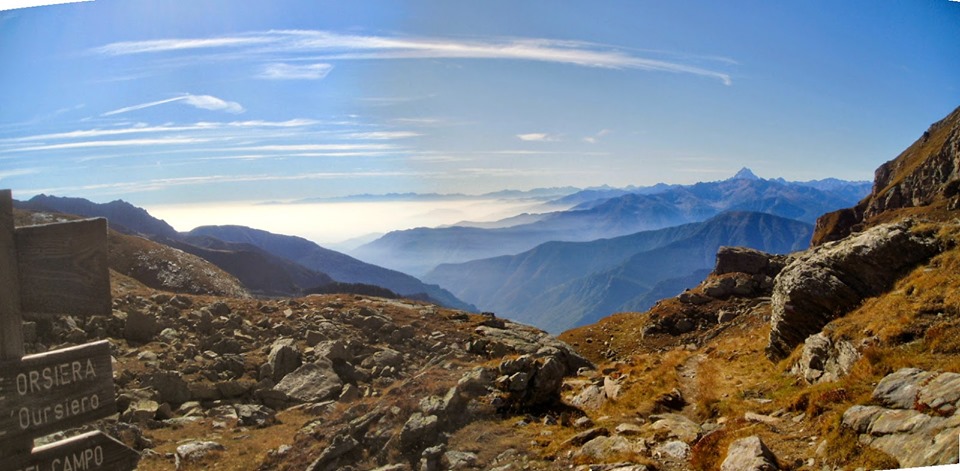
x,y
591,398
725,316
611,387
749,261
677,426
254,415
203,391
141,411
583,437
339,446
140,327
196,451
219,308
382,359
233,388
674,448
827,281
430,458
457,460
899,389
941,395
823,360
419,432
760,418
603,446
749,454
692,297
169,385
334,350
629,430
672,400
312,382
920,423
283,359
532,381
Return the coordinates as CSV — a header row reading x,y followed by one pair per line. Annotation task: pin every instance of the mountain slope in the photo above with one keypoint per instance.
x,y
298,266
559,285
924,178
339,266
419,250
124,217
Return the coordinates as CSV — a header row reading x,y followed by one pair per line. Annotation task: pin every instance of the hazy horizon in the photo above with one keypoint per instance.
x,y
333,223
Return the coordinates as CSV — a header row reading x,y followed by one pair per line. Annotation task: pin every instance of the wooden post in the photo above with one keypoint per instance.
x,y
11,321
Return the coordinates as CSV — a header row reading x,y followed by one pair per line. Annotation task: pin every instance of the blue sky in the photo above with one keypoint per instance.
x,y
166,102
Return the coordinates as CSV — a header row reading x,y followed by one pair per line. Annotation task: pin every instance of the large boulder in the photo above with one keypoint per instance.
x,y
828,281
312,382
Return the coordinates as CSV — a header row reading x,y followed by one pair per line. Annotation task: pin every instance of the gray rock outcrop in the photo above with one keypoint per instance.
x,y
828,281
917,420
824,359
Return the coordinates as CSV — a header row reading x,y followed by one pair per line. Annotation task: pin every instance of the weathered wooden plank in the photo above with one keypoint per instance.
x,y
53,391
91,451
63,268
11,327
11,322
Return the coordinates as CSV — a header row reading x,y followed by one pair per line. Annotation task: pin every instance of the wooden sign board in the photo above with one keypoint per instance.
x,y
53,391
63,268
88,452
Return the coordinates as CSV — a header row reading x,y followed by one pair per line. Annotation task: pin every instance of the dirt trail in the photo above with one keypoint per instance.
x,y
689,386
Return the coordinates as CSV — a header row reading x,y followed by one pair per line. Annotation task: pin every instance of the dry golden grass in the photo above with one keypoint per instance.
x,y
245,447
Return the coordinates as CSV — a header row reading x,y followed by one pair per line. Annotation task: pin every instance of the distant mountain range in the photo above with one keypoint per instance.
x,y
605,213
267,264
559,285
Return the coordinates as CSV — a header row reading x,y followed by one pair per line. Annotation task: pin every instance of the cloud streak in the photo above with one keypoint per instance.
x,y
537,137
282,71
204,102
327,45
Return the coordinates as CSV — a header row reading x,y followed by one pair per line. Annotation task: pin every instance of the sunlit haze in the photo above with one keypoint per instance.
x,y
329,223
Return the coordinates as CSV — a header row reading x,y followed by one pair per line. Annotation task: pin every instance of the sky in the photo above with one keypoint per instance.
x,y
204,102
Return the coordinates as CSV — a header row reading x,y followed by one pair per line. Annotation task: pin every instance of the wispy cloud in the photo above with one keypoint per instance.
x,y
143,129
282,71
320,147
15,4
18,172
204,102
327,45
537,137
383,135
167,183
112,143
596,137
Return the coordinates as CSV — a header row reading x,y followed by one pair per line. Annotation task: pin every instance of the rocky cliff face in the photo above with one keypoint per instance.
x,y
926,174
828,281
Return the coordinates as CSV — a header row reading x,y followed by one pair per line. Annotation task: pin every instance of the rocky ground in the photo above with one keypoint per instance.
x,y
354,382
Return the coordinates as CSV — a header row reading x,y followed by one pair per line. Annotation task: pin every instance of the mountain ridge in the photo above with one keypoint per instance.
x,y
419,250
558,285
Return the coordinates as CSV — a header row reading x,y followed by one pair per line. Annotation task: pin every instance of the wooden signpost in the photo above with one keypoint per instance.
x,y
45,271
